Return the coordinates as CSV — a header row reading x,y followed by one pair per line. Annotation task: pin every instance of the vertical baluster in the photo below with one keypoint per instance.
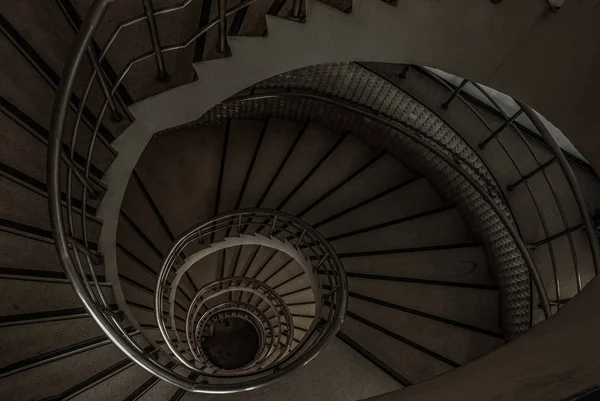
x,y
296,12
154,38
494,134
223,45
404,72
102,81
455,93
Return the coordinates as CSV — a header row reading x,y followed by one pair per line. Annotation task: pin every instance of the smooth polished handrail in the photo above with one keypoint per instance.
x,y
571,180
559,156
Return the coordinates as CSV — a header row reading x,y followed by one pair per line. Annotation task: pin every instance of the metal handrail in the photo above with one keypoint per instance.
x,y
69,248
548,140
590,227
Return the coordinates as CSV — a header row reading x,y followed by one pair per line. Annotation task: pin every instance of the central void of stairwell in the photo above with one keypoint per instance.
x,y
238,325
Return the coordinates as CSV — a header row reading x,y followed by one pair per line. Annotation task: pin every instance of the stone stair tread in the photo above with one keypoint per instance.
x,y
22,342
311,147
466,265
349,157
35,99
19,299
136,208
380,176
443,228
413,199
184,165
441,300
243,137
409,362
278,138
59,376
116,386
455,343
23,253
141,81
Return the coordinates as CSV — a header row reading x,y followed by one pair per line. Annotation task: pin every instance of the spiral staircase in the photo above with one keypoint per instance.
x,y
215,194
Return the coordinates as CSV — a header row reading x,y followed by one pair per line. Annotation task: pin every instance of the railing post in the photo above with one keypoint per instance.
x,y
454,94
487,140
404,71
551,238
223,46
533,172
296,12
162,75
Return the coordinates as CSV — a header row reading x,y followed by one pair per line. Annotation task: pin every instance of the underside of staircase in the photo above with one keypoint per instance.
x,y
273,199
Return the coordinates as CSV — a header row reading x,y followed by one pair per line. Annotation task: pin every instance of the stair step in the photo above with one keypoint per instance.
x,y
279,261
48,32
134,271
49,296
380,176
184,165
467,265
411,363
146,297
349,157
144,314
456,343
133,243
162,390
441,228
242,141
313,143
22,205
22,342
23,253
475,306
248,22
34,102
36,211
15,143
411,198
206,270
137,208
116,386
307,309
24,87
59,376
279,136
342,5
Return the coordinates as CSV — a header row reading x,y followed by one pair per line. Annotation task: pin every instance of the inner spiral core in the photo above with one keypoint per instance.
x,y
231,343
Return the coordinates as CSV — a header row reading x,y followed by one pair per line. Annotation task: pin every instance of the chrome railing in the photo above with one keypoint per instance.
x,y
69,174
510,120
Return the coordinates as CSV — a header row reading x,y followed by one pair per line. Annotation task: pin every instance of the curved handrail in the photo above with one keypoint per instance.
x,y
559,156
571,180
